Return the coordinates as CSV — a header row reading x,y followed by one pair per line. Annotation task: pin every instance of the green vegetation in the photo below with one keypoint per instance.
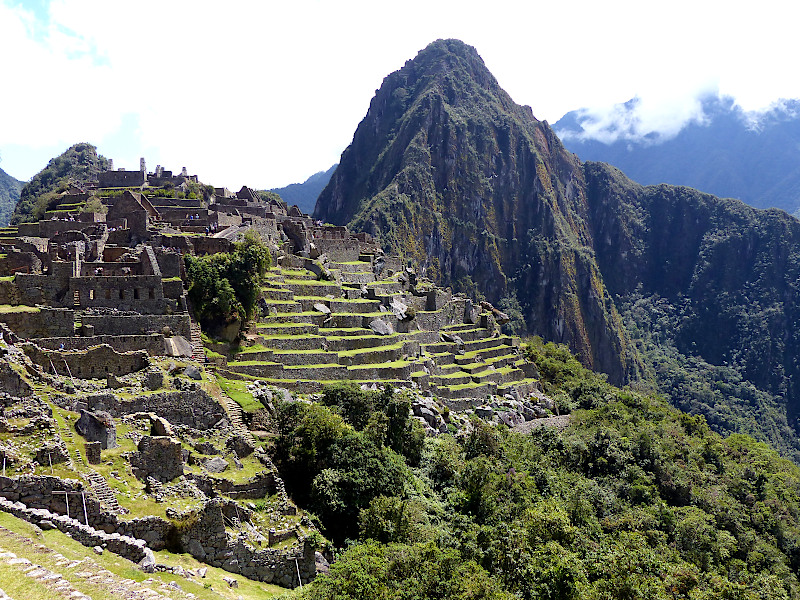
x,y
224,287
78,164
633,500
237,391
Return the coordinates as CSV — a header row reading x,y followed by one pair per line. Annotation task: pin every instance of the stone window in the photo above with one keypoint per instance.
x,y
121,294
91,294
151,294
108,294
135,293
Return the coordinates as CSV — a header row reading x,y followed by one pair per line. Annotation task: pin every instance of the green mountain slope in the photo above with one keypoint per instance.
x,y
662,285
634,499
305,194
78,164
9,196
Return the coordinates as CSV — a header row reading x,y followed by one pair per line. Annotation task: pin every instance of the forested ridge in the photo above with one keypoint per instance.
x,y
634,499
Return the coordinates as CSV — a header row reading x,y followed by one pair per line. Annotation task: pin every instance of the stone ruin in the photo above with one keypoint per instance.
x,y
93,306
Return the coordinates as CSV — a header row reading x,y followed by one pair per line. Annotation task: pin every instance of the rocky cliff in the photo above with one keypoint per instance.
x,y
448,171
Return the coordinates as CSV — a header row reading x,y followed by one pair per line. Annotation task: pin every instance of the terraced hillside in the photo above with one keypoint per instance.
x,y
375,329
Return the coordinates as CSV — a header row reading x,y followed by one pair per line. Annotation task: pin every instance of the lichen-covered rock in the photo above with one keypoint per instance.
x,y
158,457
97,427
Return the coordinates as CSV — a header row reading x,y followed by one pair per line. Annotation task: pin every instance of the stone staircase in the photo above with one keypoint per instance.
x,y
197,339
104,493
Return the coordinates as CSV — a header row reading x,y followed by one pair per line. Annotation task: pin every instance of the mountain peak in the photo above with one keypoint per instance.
x,y
449,172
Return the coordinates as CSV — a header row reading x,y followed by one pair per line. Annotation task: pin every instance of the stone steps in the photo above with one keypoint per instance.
x,y
104,493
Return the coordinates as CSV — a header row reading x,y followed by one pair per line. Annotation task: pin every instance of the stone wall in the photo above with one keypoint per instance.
x,y
16,261
45,289
169,262
135,324
8,292
207,540
338,250
91,363
128,547
41,322
110,269
152,343
210,245
142,293
110,179
258,486
193,408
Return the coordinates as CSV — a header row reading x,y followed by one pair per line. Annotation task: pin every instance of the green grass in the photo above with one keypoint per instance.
x,y
8,308
14,583
237,391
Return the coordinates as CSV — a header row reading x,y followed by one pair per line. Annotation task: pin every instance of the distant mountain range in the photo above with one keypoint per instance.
x,y
725,151
9,196
305,194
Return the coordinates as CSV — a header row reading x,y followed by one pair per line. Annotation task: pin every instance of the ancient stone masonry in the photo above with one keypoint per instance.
x,y
97,303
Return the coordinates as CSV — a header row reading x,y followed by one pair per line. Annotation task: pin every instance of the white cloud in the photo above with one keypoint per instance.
x,y
266,93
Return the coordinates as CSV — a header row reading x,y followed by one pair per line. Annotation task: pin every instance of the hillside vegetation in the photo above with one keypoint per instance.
x,y
662,285
9,196
78,164
633,500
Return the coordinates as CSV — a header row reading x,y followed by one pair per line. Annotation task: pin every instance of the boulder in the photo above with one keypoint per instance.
x,y
471,312
158,457
241,445
97,427
216,464
322,308
381,327
193,372
398,308
148,563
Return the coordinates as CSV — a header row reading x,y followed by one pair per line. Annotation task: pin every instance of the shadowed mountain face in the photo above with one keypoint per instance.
x,y
305,194
754,157
657,284
9,196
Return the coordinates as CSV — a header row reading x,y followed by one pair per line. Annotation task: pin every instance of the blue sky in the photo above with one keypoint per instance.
x,y
267,93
